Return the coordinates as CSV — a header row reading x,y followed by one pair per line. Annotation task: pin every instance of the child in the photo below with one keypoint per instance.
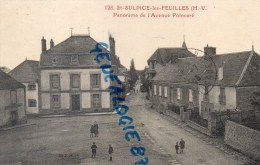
x,y
110,151
94,150
177,147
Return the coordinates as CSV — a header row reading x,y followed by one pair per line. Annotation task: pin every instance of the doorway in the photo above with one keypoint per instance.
x,y
75,102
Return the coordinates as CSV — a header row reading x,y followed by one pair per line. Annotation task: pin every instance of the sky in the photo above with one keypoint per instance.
x,y
228,25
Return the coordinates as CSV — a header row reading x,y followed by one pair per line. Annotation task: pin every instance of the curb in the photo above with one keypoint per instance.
x,y
18,126
72,115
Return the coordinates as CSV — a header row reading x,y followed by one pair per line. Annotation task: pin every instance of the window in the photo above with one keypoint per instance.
x,y
96,101
178,93
154,90
190,95
13,97
74,60
75,80
206,94
160,90
220,73
222,96
55,101
32,86
95,80
165,92
54,60
55,81
32,103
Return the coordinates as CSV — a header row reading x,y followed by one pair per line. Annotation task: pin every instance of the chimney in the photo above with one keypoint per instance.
x,y
210,51
112,45
43,45
51,43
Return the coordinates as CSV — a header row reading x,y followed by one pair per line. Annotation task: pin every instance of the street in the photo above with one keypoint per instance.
x,y
66,140
165,133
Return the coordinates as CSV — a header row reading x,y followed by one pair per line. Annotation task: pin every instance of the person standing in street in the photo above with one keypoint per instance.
x,y
182,146
177,148
110,151
92,131
95,127
94,150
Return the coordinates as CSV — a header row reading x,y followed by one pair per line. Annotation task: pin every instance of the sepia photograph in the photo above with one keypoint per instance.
x,y
121,82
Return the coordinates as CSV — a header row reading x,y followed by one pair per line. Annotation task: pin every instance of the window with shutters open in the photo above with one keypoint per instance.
x,y
55,81
95,80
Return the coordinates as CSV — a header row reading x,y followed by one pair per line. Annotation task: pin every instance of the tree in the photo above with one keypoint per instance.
x,y
255,99
4,69
133,74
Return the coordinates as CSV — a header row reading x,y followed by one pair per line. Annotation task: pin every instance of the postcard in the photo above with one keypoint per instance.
x,y
102,82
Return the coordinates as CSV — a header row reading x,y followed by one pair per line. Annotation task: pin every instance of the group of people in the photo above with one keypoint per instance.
x,y
94,130
179,147
94,151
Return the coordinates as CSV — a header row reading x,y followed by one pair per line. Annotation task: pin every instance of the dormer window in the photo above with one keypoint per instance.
x,y
74,60
31,86
220,73
54,60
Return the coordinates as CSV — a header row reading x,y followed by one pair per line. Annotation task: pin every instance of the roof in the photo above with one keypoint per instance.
x,y
122,66
236,66
27,71
164,55
75,46
7,82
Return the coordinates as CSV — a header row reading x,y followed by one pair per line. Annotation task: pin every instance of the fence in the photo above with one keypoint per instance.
x,y
249,118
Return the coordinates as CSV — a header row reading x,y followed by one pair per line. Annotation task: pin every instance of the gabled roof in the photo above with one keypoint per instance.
x,y
27,71
7,82
164,55
251,76
122,66
74,45
201,70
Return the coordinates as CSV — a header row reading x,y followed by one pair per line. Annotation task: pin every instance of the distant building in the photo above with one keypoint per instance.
x,y
12,102
71,80
209,83
28,73
122,74
161,57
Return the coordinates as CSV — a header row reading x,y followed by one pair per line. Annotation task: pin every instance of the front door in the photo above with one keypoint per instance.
x,y
75,102
13,117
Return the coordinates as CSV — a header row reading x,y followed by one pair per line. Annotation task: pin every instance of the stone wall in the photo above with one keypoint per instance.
x,y
243,139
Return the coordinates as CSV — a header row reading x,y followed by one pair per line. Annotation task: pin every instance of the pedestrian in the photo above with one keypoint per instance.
x,y
94,150
177,148
92,131
95,128
110,151
182,146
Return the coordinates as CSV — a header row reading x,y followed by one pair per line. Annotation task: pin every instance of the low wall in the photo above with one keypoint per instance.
x,y
198,127
173,115
242,138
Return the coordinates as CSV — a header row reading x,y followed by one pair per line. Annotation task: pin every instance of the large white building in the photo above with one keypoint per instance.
x,y
70,78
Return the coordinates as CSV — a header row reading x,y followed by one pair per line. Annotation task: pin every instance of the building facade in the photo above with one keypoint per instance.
x,y
28,74
160,58
12,102
70,78
208,83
